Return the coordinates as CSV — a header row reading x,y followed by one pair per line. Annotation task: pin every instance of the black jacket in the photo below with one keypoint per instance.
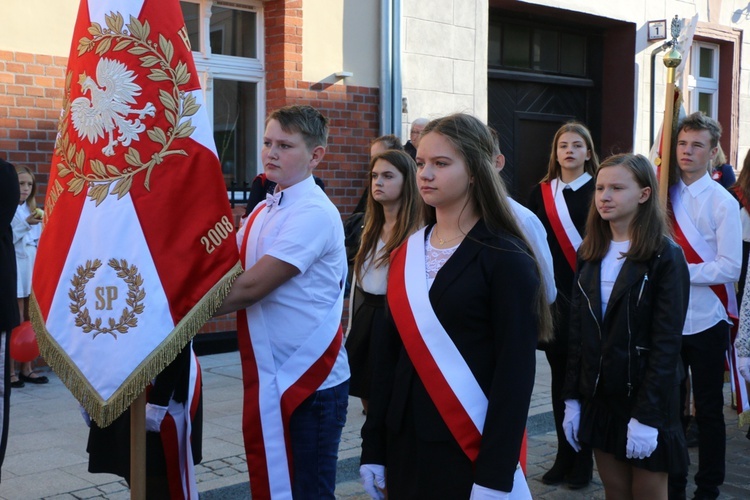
x,y
10,195
484,298
579,203
634,350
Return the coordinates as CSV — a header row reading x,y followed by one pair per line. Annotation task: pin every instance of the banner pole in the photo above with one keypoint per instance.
x,y
138,448
672,60
666,140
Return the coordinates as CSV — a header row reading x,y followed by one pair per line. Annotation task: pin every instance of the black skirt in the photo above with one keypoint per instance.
x,y
368,323
604,426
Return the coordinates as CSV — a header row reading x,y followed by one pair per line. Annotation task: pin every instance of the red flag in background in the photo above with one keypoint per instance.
x,y
138,248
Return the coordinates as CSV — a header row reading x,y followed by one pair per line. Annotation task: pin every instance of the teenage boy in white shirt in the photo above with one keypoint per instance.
x,y
290,299
707,226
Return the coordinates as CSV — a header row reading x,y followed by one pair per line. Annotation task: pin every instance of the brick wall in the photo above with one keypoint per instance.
x,y
31,90
352,113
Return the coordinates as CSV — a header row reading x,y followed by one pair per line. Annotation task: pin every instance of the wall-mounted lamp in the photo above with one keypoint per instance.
x,y
343,74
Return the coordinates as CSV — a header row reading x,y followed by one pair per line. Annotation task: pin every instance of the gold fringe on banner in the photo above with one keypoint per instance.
x,y
743,418
105,412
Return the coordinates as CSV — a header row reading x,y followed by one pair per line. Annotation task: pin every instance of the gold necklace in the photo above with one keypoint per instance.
x,y
442,241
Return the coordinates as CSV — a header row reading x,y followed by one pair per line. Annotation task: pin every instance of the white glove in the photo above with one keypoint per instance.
x,y
373,480
482,493
743,364
154,416
85,415
571,422
641,440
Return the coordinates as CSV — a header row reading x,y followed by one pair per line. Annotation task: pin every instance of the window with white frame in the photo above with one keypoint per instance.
x,y
227,42
704,78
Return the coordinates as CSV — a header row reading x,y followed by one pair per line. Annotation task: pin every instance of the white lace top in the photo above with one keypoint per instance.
x,y
435,258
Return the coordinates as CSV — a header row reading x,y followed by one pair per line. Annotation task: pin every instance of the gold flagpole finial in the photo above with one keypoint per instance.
x,y
673,58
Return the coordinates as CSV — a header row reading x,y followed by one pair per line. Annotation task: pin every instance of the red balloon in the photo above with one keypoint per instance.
x,y
23,346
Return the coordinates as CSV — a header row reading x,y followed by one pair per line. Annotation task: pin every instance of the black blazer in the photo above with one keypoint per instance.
x,y
10,195
579,203
484,298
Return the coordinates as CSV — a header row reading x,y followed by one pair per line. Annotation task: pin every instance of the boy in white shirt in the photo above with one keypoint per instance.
x,y
706,222
290,299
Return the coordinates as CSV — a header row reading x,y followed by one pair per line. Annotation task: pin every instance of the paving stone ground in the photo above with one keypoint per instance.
x,y
46,456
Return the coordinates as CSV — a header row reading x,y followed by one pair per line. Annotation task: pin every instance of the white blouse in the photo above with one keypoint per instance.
x,y
374,279
610,268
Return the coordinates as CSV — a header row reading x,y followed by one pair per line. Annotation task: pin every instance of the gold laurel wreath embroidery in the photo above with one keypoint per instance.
x,y
177,106
77,295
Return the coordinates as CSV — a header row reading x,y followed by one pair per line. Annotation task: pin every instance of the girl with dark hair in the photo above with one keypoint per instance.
x,y
454,369
629,302
392,215
561,201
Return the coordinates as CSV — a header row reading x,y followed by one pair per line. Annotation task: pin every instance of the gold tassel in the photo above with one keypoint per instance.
x,y
105,412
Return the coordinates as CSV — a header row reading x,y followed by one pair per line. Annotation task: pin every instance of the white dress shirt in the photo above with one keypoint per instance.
x,y
576,183
534,231
715,214
304,229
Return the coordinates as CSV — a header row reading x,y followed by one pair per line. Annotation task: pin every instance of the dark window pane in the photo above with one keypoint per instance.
x,y
191,13
233,32
235,130
493,45
573,55
545,50
706,69
516,41
705,103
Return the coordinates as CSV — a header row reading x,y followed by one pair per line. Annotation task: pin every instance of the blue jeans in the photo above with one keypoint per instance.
x,y
315,428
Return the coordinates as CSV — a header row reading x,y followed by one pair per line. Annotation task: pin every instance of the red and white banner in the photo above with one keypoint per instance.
x,y
272,392
138,249
441,367
566,233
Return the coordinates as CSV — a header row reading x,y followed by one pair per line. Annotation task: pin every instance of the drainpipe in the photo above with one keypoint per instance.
x,y
390,67
662,47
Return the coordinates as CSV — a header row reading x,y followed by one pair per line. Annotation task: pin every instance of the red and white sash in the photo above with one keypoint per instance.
x,y
442,369
696,251
272,394
559,219
176,436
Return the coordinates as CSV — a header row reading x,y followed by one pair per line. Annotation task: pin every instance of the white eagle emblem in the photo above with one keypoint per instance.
x,y
109,106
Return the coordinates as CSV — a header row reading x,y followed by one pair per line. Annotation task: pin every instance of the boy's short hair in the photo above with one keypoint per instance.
x,y
698,121
306,120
